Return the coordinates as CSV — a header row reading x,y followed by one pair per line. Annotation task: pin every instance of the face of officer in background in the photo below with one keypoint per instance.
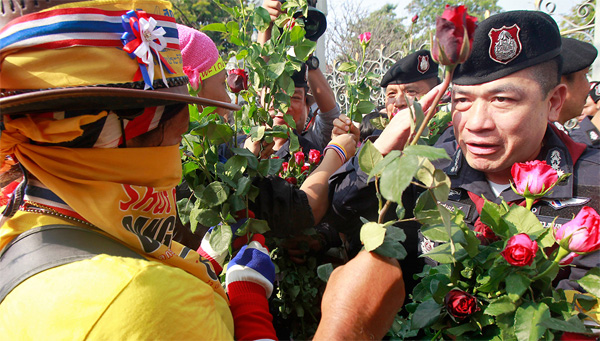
x,y
395,94
577,91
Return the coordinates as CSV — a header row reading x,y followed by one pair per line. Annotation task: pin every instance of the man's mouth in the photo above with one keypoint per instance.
x,y
482,148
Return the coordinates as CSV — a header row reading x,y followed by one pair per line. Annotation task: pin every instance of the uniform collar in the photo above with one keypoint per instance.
x,y
559,151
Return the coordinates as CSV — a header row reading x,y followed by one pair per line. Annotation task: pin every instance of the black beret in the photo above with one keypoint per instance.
x,y
595,92
300,77
576,55
414,67
509,42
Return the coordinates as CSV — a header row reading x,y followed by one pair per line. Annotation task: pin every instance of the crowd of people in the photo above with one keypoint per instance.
x,y
90,243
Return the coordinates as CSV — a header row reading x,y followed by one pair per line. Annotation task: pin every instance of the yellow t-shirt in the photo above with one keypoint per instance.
x,y
114,298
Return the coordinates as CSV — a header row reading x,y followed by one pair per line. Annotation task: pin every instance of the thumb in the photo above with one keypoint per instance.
x,y
427,100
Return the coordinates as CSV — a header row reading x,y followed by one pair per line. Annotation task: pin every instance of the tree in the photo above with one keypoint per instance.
x,y
429,10
387,30
199,13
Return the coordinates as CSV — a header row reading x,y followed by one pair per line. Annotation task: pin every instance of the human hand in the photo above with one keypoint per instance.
x,y
361,299
401,126
343,125
252,264
347,141
273,7
260,148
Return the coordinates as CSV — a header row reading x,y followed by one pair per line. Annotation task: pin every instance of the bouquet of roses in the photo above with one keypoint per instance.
x,y
299,167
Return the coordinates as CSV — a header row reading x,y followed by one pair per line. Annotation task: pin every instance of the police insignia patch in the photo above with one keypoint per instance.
x,y
423,64
505,44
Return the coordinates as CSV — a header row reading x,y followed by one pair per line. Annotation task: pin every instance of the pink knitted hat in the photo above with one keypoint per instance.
x,y
201,58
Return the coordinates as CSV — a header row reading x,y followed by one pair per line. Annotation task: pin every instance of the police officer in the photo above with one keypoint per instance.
x,y
502,98
412,76
577,57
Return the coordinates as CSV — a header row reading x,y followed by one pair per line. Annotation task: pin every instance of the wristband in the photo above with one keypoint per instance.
x,y
339,149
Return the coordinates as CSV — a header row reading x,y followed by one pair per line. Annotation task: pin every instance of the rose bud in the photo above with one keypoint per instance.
x,y
533,178
520,250
292,180
290,24
484,233
460,304
582,234
285,166
415,18
364,38
314,156
299,158
304,168
453,36
237,80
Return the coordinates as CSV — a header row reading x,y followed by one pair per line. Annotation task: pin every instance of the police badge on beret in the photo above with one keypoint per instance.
x,y
423,64
505,44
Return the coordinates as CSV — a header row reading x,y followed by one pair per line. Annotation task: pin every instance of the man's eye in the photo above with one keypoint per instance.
x,y
411,93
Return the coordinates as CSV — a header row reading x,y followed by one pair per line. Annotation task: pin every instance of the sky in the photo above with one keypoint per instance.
x,y
562,6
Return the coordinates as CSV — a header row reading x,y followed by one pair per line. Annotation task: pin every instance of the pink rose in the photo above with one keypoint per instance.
x,y
582,234
299,157
450,46
520,250
285,166
533,178
460,304
314,156
364,38
237,80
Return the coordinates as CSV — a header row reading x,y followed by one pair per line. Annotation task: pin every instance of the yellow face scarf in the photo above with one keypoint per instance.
x,y
127,192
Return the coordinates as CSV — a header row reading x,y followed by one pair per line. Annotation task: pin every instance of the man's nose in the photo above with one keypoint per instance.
x,y
400,101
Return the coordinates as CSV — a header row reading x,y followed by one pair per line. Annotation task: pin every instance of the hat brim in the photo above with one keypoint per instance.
x,y
109,98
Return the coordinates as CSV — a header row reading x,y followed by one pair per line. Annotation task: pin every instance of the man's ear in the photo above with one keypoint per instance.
x,y
556,99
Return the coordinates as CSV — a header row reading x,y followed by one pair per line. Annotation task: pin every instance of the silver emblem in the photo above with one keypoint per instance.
x,y
427,245
555,159
593,135
558,204
506,47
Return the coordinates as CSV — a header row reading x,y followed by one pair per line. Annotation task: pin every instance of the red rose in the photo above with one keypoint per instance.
x,y
533,178
460,304
415,18
292,180
285,166
299,157
582,234
450,46
237,80
484,233
314,156
520,250
304,168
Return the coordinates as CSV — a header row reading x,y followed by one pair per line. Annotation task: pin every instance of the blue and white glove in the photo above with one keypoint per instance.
x,y
252,264
216,258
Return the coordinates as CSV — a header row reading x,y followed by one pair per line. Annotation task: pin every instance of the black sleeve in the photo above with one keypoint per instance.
x,y
282,205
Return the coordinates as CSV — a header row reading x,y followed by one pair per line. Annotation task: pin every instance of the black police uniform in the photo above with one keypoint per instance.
x,y
584,132
353,197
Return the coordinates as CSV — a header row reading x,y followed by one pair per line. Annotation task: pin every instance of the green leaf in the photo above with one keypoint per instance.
x,y
429,152
324,271
184,208
347,67
380,166
372,235
524,221
243,186
590,282
368,157
261,19
258,226
294,143
441,253
461,329
275,70
216,27
215,194
397,176
304,48
252,160
491,216
236,164
500,306
220,238
426,314
527,319
392,249
208,217
516,285
365,107
572,325
289,120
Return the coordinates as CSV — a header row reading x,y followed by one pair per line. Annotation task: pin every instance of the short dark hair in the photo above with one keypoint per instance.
x,y
547,74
